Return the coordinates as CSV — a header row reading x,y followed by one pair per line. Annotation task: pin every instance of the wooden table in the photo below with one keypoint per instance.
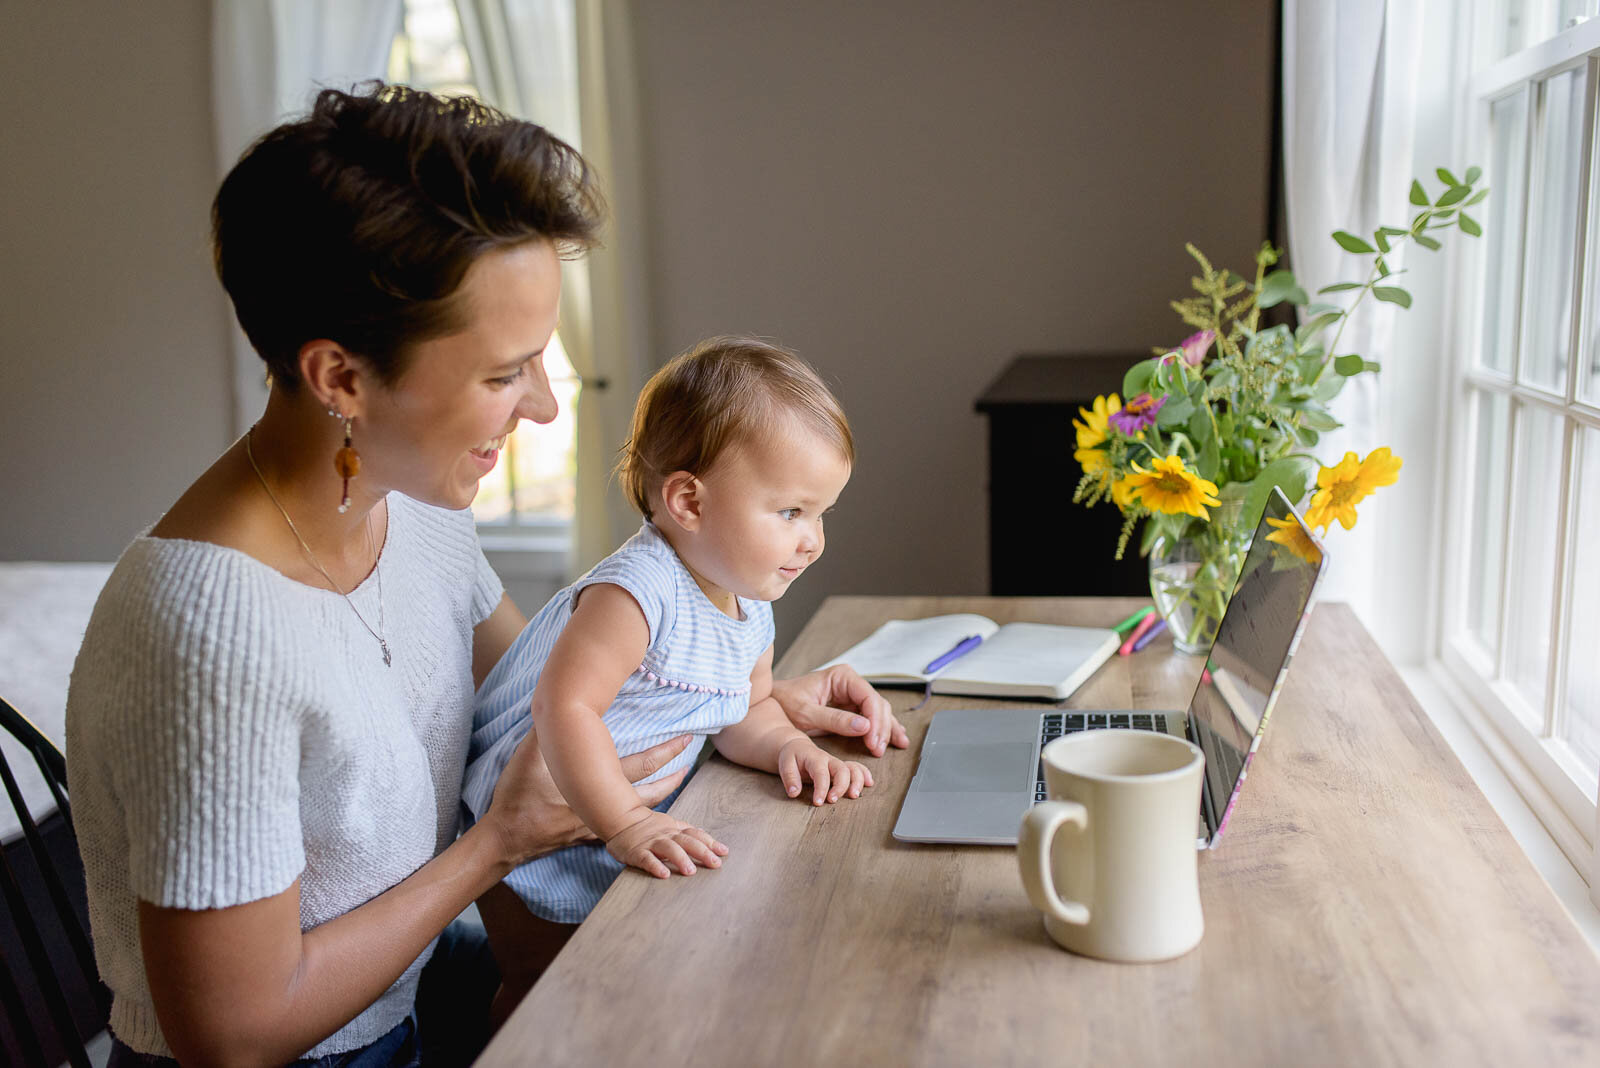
x,y
1366,907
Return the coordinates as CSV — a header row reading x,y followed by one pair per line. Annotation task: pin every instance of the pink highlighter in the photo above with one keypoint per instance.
x,y
1138,632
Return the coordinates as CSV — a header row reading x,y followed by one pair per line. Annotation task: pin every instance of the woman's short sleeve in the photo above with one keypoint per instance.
x,y
193,743
487,590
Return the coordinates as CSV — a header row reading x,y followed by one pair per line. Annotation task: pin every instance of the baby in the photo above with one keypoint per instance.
x,y
737,452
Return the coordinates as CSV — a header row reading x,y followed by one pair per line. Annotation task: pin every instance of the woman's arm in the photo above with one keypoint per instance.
x,y
244,985
492,637
837,700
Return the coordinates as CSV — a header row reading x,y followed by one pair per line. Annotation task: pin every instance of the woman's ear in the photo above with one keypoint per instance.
x,y
335,376
680,499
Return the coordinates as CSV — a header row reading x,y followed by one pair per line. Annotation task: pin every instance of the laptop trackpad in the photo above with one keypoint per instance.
x,y
975,767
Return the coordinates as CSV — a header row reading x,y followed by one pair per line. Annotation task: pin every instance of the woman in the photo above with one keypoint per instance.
x,y
268,719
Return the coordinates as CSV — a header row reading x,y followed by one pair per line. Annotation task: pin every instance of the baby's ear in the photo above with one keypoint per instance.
x,y
680,499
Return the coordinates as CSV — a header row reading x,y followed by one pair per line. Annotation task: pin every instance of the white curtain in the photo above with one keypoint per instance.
x,y
567,65
269,60
1350,109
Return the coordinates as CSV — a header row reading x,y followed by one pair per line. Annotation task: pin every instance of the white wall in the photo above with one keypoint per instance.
x,y
908,193
113,374
911,193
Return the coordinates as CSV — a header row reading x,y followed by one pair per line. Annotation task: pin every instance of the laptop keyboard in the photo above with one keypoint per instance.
x,y
1053,725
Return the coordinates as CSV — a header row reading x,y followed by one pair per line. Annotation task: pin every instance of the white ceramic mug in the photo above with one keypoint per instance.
x,y
1121,883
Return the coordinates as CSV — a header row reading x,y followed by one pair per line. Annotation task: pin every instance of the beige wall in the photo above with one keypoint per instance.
x,y
113,379
910,193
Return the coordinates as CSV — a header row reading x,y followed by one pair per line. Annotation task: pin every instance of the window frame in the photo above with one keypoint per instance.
x,y
1555,785
539,546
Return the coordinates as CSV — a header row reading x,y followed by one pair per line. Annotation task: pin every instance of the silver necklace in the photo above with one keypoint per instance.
x,y
318,563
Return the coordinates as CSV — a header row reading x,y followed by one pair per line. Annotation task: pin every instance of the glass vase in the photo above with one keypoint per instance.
x,y
1193,571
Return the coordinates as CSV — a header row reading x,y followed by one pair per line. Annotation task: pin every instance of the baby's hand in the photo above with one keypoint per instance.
x,y
831,778
657,844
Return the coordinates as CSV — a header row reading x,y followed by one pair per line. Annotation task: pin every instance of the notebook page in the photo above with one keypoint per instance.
x,y
1028,655
901,648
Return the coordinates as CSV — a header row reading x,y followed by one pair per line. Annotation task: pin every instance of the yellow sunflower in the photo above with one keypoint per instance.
x,y
1122,492
1291,534
1171,488
1341,487
1092,432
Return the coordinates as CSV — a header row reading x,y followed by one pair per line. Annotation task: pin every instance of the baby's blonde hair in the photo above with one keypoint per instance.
x,y
722,391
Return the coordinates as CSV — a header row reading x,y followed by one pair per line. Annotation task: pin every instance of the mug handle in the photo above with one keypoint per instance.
x,y
1039,829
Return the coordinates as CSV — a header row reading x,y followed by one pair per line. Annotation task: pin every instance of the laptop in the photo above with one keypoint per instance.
x,y
980,768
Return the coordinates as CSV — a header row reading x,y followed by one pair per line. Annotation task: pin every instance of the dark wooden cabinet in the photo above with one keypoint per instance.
x,y
1040,543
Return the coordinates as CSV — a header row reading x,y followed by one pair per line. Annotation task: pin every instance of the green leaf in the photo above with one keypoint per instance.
x,y
1453,195
1328,387
1383,268
1473,174
1382,239
1318,418
1392,294
1313,327
1446,177
1348,365
1278,287
1393,231
1175,412
1351,243
1427,242
1307,436
1287,474
1210,458
1475,198
1419,195
1137,380
1470,226
1322,308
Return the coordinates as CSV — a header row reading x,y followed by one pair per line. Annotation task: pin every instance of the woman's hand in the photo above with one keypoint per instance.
x,y
532,818
658,845
831,778
839,701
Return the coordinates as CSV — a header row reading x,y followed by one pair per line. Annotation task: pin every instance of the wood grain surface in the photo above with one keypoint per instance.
x,y
1365,907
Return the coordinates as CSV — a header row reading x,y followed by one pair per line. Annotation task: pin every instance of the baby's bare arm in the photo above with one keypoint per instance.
x,y
600,647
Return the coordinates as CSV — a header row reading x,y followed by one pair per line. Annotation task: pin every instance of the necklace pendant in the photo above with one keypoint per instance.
x,y
385,647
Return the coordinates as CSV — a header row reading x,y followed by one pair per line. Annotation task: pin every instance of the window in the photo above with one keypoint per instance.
x,y
1521,610
527,501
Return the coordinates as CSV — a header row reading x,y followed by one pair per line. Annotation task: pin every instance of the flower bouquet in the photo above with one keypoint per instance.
x,y
1208,428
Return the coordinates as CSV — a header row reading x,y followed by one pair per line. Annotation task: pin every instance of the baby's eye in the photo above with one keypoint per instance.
x,y
790,513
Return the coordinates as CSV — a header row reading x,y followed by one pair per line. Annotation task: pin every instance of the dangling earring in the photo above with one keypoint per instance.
x,y
347,464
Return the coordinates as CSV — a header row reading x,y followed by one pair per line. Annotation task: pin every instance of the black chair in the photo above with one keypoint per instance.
x,y
50,992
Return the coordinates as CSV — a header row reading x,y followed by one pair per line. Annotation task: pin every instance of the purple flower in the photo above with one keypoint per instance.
x,y
1196,345
1137,414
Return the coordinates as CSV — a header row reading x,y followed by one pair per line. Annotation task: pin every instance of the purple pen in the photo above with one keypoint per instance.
x,y
1149,635
962,648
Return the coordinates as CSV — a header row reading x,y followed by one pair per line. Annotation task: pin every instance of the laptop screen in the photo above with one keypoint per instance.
x,y
1255,639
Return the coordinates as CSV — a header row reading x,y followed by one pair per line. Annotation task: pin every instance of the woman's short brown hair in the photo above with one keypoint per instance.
x,y
358,222
723,391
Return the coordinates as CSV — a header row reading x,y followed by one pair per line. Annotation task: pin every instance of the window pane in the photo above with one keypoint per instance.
x,y
1547,309
546,453
1536,483
1514,30
1507,178
1581,731
1492,419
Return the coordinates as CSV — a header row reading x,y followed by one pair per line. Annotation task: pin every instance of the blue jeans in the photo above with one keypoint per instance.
x,y
451,1016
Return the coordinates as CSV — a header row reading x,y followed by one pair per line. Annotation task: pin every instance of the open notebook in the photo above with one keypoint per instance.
x,y
1015,660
